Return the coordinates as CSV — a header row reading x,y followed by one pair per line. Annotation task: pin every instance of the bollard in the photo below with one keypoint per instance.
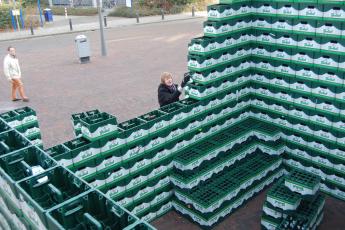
x,y
137,14
162,12
31,29
66,13
105,21
70,24
193,11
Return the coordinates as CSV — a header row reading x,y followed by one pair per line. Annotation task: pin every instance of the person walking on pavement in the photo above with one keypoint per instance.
x,y
13,74
168,92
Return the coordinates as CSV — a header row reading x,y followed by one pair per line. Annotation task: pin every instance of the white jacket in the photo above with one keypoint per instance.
x,y
12,68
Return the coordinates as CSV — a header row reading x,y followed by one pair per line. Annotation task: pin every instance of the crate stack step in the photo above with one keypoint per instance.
x,y
294,202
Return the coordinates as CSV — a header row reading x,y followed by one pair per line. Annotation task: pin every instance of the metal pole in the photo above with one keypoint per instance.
x,y
40,11
193,11
162,12
137,14
70,24
105,21
31,28
101,29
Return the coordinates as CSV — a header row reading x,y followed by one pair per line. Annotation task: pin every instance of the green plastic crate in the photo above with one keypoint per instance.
x,y
11,141
156,121
209,219
76,117
11,118
175,113
93,211
30,131
27,115
210,195
4,127
280,196
203,45
134,129
46,190
98,126
19,165
72,151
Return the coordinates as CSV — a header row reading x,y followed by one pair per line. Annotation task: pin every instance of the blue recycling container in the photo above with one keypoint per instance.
x,y
48,15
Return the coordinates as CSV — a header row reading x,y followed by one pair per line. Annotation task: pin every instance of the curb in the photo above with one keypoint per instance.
x,y
107,28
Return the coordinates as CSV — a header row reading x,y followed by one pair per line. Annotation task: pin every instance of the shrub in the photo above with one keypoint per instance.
x,y
74,11
127,12
5,18
148,8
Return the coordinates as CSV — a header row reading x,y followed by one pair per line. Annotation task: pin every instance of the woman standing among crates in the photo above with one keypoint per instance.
x,y
168,92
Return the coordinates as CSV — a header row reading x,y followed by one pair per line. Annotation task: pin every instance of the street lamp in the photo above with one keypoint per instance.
x,y
101,29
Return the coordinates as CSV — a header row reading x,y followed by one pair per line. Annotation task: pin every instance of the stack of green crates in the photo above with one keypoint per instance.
x,y
37,193
209,201
294,202
267,80
76,120
25,121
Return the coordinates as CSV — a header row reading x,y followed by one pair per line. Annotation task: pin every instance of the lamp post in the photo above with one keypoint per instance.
x,y
101,29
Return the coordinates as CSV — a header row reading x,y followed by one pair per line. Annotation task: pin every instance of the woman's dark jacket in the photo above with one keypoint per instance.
x,y
167,95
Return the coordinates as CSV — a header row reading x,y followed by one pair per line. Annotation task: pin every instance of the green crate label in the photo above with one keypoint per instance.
x,y
303,28
122,172
140,208
209,29
159,125
261,24
29,119
224,29
197,47
111,161
328,30
159,170
335,14
136,181
65,162
32,131
310,13
104,130
140,164
86,171
14,123
138,134
333,47
125,201
193,64
212,47
325,62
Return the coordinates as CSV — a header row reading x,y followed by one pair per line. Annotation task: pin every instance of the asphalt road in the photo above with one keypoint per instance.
x,y
124,84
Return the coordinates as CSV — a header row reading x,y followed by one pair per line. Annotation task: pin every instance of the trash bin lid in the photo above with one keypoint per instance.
x,y
80,37
47,9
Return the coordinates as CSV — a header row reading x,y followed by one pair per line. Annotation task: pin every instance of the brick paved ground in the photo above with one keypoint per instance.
x,y
123,84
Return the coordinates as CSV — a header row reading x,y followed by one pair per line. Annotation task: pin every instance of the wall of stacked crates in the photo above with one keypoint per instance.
x,y
267,82
288,56
38,193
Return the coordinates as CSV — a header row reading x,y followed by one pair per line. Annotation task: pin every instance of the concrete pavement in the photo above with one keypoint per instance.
x,y
90,23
